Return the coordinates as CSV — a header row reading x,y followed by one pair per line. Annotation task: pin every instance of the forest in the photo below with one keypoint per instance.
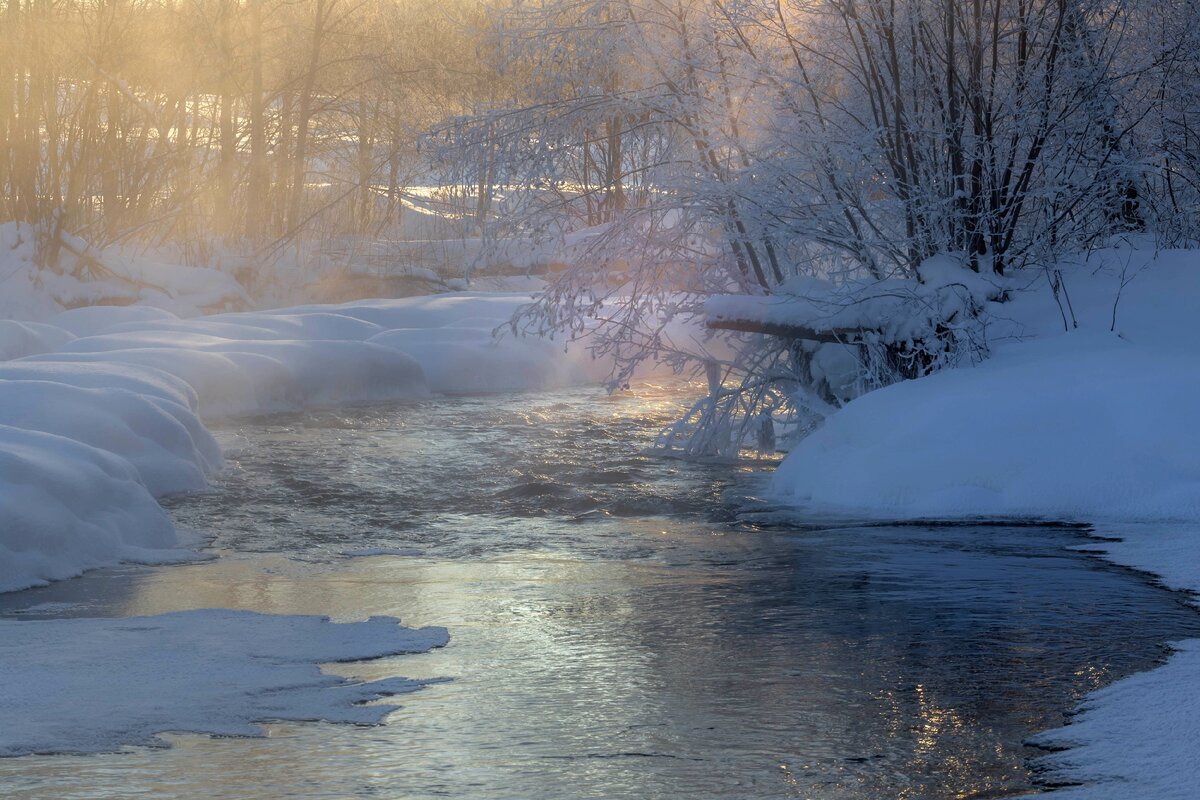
x,y
664,151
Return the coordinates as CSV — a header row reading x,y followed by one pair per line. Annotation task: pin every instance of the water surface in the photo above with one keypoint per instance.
x,y
616,633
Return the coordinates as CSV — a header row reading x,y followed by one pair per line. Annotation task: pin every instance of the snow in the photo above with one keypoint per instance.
x,y
103,413
1088,425
106,278
1095,425
900,309
170,451
1137,738
1082,426
89,320
18,339
66,506
97,685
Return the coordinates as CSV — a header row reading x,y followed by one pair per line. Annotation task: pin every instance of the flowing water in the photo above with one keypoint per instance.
x,y
616,631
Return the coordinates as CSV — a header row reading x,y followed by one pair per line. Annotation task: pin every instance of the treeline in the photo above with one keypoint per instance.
x,y
735,145
210,124
816,147
848,134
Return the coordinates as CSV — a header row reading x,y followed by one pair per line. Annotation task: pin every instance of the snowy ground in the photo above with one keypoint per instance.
x,y
1096,424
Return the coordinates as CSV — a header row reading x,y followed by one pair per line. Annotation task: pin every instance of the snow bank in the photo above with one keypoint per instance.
x,y
18,339
1088,425
233,377
1080,426
116,395
1137,738
167,447
97,685
89,320
365,351
92,277
66,506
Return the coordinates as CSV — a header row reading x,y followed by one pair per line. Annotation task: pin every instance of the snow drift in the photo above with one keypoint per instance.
x,y
1081,426
1087,425
66,506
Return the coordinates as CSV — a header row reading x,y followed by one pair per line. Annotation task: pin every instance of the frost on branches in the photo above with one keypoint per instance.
x,y
818,164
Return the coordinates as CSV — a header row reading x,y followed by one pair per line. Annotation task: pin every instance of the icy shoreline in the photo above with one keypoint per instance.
x,y
1094,425
101,411
78,686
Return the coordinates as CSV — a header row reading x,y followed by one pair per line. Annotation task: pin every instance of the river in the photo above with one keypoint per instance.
x,y
620,628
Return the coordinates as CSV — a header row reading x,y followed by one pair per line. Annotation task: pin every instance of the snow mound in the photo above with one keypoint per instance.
x,y
233,378
164,442
97,685
142,380
90,320
66,506
365,351
1081,426
428,311
314,325
18,339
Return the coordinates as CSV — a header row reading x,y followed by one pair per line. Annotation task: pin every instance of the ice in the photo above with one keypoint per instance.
x,y
98,685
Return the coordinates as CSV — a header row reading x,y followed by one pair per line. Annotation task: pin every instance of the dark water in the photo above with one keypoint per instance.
x,y
616,632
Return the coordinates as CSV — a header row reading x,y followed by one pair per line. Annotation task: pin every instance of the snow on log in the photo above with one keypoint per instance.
x,y
894,310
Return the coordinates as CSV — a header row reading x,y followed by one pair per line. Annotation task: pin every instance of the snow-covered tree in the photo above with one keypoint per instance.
x,y
679,150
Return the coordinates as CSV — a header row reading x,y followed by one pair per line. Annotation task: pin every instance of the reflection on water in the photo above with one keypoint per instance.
x,y
615,635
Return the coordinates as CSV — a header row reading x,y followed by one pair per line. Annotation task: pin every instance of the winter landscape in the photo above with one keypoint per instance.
x,y
599,399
